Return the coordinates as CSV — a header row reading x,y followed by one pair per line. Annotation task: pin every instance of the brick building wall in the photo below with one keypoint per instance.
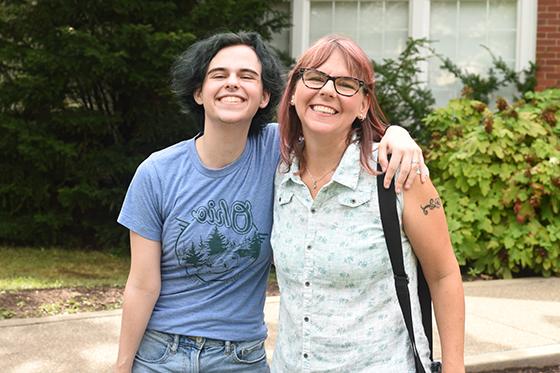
x,y
548,44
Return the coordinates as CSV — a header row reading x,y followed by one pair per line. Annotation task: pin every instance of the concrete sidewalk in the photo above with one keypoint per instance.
x,y
509,323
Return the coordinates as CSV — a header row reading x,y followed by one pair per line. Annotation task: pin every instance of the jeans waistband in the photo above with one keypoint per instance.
x,y
193,341
203,341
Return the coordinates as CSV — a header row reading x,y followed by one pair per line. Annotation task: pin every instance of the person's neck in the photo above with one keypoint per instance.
x,y
323,155
221,145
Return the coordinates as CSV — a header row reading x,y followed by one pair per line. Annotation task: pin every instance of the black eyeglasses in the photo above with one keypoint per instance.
x,y
343,85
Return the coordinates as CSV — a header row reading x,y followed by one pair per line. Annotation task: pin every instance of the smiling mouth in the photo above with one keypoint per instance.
x,y
231,99
323,109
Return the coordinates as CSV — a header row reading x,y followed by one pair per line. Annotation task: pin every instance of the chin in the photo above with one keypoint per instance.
x,y
326,129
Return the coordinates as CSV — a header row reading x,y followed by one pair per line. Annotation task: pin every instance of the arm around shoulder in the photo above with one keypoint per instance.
x,y
406,156
140,295
426,228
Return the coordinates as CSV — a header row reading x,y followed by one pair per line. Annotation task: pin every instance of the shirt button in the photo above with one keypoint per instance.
x,y
308,247
313,211
307,283
306,319
305,355
352,200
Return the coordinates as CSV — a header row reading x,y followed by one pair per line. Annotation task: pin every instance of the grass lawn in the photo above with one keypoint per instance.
x,y
37,282
37,268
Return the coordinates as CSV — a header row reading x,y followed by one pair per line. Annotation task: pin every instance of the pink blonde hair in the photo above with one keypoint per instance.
x,y
369,130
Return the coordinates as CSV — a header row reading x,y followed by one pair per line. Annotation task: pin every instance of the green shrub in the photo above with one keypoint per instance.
x,y
499,175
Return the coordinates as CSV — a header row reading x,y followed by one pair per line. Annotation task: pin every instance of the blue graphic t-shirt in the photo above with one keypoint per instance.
x,y
214,227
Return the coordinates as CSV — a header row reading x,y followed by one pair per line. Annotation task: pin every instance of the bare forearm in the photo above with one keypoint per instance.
x,y
137,309
449,308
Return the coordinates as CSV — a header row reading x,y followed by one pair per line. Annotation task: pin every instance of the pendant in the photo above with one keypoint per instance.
x,y
314,185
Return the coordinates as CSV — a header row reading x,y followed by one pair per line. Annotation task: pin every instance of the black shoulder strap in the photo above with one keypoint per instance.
x,y
391,229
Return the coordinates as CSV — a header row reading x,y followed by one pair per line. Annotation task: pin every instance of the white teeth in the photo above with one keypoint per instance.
x,y
323,109
231,99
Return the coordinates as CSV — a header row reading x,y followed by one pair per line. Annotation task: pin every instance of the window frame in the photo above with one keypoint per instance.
x,y
419,27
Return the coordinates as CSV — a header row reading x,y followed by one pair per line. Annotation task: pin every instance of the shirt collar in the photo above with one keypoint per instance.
x,y
347,173
292,173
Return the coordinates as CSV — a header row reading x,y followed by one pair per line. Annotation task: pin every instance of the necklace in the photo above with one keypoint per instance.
x,y
314,181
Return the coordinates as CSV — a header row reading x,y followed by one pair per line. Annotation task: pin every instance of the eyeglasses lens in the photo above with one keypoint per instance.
x,y
345,86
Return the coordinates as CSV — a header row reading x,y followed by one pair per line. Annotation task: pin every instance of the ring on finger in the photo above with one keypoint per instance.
x,y
418,172
414,162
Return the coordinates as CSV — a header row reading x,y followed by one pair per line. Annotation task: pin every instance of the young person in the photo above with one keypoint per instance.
x,y
338,305
200,215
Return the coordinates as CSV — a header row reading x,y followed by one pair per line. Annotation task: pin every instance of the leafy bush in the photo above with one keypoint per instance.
x,y
499,175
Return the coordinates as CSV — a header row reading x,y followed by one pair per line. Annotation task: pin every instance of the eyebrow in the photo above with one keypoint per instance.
x,y
223,69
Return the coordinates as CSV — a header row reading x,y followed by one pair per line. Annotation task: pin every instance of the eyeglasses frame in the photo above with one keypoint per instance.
x,y
302,71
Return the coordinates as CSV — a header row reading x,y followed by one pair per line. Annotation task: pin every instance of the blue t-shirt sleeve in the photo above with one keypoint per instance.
x,y
273,143
141,210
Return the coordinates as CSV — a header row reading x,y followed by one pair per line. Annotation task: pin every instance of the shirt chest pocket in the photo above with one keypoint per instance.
x,y
354,199
286,210
359,207
284,198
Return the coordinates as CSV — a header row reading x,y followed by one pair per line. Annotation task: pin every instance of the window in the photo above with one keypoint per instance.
x,y
458,28
380,27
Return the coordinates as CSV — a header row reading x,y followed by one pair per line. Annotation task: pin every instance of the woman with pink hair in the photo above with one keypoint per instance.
x,y
338,308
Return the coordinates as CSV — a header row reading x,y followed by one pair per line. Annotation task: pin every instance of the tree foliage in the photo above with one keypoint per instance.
x,y
84,98
499,175
402,96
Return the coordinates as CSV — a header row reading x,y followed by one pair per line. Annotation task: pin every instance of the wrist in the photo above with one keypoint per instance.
x,y
396,128
124,365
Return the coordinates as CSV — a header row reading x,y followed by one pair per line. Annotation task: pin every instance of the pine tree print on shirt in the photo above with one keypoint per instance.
x,y
232,241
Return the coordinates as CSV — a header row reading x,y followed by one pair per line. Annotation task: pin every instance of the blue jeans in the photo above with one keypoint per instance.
x,y
162,352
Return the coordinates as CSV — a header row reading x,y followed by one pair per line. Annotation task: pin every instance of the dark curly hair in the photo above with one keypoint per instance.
x,y
189,70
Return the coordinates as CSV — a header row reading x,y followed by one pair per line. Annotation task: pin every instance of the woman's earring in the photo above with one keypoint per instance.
x,y
292,102
361,117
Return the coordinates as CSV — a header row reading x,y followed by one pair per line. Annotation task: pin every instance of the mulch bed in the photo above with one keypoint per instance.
x,y
48,302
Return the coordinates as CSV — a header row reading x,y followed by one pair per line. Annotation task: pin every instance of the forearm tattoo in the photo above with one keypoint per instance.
x,y
435,203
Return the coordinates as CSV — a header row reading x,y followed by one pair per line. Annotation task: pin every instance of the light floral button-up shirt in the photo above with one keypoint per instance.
x,y
339,310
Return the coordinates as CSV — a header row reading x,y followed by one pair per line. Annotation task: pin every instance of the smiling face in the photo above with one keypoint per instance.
x,y
324,112
232,90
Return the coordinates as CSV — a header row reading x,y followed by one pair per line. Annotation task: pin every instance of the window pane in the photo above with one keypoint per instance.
x,y
502,15
444,13
371,15
320,24
395,42
380,27
281,40
346,18
371,29
460,29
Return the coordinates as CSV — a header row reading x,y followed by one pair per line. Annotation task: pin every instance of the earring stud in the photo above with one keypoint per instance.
x,y
292,102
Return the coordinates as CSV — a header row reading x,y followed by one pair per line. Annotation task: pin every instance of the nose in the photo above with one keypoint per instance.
x,y
232,81
328,88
